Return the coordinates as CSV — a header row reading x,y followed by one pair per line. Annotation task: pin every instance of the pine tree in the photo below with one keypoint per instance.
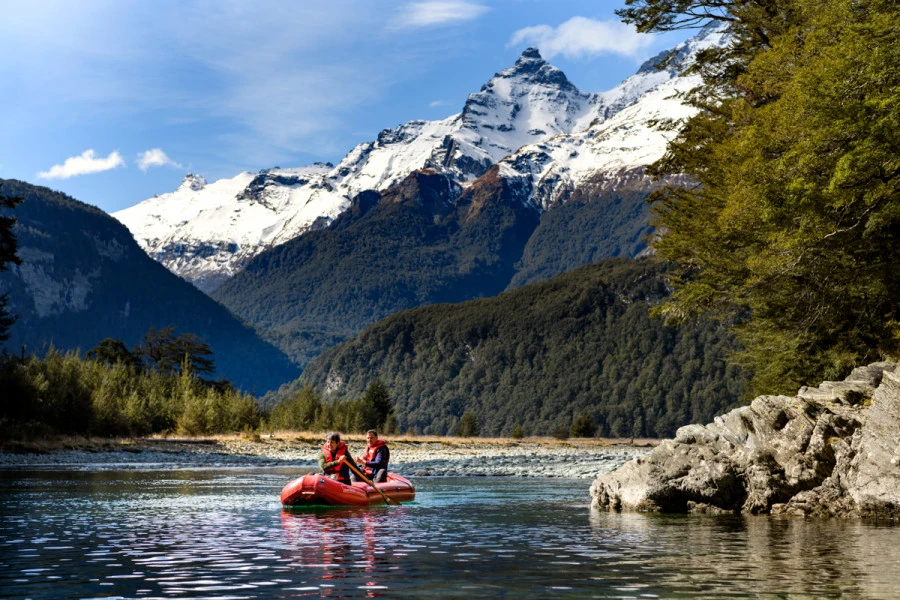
x,y
111,351
167,352
375,406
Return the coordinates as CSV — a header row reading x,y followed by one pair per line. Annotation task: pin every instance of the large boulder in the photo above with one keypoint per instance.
x,y
829,451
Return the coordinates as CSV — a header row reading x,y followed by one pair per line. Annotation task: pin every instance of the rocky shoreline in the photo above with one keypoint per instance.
x,y
584,459
829,451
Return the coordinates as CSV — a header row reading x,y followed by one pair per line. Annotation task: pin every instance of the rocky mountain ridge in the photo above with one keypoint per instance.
x,y
530,118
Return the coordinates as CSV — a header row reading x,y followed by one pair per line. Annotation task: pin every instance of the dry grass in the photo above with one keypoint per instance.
x,y
51,443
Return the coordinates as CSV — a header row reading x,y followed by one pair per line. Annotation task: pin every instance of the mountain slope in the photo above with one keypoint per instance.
x,y
83,278
422,242
540,356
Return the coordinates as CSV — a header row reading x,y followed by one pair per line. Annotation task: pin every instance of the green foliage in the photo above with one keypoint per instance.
x,y
792,233
467,426
111,352
167,352
538,356
374,407
303,412
583,426
517,433
65,393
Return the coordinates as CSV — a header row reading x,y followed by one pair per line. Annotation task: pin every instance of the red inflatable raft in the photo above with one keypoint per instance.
x,y
319,490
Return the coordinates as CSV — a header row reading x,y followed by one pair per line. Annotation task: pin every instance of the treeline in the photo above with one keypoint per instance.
x,y
156,388
66,393
578,355
307,411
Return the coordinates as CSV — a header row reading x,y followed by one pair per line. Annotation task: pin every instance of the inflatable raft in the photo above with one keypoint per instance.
x,y
319,490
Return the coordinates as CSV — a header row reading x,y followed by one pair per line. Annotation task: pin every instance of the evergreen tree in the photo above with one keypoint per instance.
x,y
583,426
167,352
791,234
7,256
374,407
467,426
111,351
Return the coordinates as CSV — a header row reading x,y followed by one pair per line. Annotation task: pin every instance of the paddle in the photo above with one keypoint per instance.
x,y
359,473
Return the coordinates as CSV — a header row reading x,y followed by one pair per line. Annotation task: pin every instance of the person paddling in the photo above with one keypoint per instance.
x,y
334,458
376,458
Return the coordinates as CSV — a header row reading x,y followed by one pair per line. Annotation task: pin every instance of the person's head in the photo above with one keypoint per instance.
x,y
371,436
332,440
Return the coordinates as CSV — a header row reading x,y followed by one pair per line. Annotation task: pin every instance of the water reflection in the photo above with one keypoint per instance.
x,y
222,533
735,556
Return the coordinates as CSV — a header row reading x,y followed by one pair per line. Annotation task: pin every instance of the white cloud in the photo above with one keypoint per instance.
x,y
84,164
155,157
437,103
581,37
438,12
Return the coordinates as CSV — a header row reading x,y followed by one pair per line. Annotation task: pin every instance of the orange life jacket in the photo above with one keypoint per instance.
x,y
342,471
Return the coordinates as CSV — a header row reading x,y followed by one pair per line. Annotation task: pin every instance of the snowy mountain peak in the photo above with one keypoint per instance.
x,y
192,182
530,53
549,135
532,69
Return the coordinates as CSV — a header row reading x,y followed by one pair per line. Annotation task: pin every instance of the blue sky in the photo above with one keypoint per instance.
x,y
114,101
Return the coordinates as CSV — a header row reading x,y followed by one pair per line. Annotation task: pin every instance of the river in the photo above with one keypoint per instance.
x,y
152,532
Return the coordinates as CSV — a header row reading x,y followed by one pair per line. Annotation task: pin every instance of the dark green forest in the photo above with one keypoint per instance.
x,y
601,219
538,358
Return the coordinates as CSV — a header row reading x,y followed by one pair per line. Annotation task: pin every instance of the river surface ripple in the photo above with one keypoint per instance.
x,y
221,533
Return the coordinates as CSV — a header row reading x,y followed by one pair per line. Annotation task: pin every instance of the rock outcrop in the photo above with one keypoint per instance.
x,y
831,451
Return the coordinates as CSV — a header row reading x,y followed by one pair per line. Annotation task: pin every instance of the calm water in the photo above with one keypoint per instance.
x,y
221,533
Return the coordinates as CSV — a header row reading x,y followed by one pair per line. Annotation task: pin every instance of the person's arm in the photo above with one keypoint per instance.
x,y
324,465
380,461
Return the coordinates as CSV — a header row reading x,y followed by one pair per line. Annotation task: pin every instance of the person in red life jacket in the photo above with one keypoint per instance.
x,y
376,458
334,458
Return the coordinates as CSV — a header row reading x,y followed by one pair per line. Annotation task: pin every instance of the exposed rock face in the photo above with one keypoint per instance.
x,y
829,451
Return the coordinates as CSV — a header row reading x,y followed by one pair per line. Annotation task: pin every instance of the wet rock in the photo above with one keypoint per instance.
x,y
830,451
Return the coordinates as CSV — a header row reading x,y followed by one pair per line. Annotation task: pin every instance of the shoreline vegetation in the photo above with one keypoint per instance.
x,y
417,456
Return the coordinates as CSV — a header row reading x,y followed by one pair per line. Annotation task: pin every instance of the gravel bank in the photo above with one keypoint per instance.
x,y
585,459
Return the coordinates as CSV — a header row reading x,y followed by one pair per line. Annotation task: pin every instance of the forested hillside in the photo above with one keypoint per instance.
x,y
419,243
83,279
603,218
425,242
539,357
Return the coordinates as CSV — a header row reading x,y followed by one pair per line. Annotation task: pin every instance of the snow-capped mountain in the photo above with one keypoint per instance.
x,y
619,144
529,117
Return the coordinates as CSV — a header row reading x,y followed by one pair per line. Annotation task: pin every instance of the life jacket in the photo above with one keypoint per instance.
x,y
371,452
343,471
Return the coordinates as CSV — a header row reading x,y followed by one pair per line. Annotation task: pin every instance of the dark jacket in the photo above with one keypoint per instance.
x,y
376,457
